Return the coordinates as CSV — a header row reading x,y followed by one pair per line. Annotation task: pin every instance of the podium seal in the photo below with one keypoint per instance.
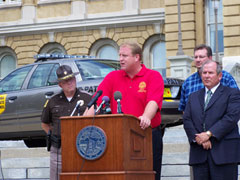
x,y
91,142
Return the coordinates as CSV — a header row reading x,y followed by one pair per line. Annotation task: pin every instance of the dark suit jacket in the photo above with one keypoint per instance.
x,y
221,118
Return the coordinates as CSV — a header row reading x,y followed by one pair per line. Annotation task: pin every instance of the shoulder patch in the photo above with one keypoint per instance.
x,y
45,105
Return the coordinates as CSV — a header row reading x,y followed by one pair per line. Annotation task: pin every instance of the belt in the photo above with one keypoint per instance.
x,y
56,141
158,128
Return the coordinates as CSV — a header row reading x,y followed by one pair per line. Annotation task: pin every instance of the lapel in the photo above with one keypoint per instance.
x,y
215,96
201,98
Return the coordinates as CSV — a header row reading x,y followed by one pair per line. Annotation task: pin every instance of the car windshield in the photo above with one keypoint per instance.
x,y
14,80
95,69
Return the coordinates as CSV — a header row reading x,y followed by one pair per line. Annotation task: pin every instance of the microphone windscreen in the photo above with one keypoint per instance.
x,y
105,98
99,93
95,98
117,95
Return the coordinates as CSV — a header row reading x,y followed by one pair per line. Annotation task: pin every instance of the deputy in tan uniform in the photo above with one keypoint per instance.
x,y
59,105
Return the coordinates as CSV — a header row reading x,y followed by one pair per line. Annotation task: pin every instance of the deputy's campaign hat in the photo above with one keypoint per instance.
x,y
65,72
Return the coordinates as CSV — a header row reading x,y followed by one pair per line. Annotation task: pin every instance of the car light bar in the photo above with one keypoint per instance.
x,y
43,57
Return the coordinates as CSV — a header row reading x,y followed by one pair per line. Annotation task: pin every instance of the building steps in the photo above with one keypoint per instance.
x,y
21,163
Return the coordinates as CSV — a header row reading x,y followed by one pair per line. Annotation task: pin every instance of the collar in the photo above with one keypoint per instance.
x,y
213,89
140,73
62,95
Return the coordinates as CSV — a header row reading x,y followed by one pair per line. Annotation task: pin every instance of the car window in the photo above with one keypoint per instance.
x,y
92,69
14,80
44,75
53,76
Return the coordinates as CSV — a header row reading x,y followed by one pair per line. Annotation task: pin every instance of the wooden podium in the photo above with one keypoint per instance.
x,y
128,154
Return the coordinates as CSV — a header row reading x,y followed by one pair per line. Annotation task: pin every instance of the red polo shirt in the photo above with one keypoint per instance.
x,y
146,86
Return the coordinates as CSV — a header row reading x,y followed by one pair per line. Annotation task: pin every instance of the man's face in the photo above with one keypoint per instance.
x,y
210,78
127,60
200,56
68,85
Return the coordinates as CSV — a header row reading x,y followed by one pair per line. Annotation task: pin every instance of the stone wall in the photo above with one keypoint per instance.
x,y
231,21
188,26
80,41
75,42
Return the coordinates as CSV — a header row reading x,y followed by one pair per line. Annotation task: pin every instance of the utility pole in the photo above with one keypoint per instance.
x,y
180,48
216,6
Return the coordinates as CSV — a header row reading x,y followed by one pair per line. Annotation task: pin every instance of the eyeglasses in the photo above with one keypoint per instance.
x,y
200,57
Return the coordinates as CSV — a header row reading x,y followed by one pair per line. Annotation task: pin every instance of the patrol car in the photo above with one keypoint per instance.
x,y
24,92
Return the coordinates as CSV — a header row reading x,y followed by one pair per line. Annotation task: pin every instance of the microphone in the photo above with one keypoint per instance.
x,y
107,109
118,97
104,99
77,104
94,99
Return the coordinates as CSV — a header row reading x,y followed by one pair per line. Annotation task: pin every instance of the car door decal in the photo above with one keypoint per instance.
x,y
2,102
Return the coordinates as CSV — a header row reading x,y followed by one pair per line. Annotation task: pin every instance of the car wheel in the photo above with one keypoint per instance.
x,y
31,143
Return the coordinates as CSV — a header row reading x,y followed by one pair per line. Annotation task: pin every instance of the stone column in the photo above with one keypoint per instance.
x,y
28,11
200,22
2,41
131,7
78,9
231,64
180,66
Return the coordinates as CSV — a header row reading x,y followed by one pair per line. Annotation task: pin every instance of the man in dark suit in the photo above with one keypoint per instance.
x,y
211,124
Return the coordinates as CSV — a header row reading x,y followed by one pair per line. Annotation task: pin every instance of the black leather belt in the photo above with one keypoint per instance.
x,y
158,128
56,141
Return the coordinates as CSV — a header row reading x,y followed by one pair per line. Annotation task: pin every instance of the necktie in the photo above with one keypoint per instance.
x,y
209,94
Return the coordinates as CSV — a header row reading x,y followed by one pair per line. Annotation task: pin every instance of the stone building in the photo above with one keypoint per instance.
x,y
98,27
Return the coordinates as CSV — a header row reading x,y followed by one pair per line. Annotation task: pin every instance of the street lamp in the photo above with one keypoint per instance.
x,y
215,4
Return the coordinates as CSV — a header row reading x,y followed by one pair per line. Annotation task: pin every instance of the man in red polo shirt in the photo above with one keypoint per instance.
x,y
142,95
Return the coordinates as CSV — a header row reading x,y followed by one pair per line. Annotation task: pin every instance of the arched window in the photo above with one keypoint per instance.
x,y
53,48
159,59
107,52
210,29
7,62
154,54
105,49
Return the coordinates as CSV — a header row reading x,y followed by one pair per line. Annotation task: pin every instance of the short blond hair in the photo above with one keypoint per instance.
x,y
135,48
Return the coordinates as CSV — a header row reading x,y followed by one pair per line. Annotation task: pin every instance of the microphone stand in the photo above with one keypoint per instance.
x,y
95,108
119,109
106,109
76,107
